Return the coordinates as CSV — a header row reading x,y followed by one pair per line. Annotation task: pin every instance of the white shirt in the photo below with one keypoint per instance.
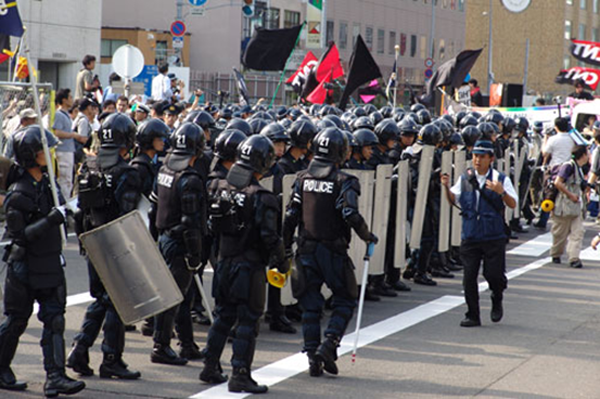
x,y
161,88
560,147
507,184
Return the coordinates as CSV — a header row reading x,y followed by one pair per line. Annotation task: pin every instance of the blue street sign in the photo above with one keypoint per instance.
x,y
198,2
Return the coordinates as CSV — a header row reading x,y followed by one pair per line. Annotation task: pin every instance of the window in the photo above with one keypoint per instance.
x,y
291,18
392,44
582,4
369,37
271,18
413,45
329,33
423,47
161,52
355,32
109,46
380,41
343,40
567,62
442,49
581,35
568,30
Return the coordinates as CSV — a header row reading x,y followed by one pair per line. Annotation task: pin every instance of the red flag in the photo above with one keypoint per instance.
x,y
319,95
330,62
309,61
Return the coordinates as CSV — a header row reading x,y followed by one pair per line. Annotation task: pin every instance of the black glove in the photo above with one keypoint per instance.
x,y
373,238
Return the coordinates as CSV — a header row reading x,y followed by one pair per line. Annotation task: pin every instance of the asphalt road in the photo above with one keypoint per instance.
x,y
547,345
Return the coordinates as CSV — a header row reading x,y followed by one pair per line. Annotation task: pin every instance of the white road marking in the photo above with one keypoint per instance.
x,y
288,367
535,247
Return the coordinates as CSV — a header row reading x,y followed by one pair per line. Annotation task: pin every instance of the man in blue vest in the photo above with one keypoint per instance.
x,y
482,193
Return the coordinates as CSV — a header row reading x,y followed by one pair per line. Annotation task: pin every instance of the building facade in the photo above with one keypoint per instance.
x,y
549,25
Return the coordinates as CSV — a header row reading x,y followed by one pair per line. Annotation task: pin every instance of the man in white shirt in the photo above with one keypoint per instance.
x,y
161,84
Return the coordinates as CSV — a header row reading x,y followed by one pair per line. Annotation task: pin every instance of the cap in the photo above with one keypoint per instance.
x,y
28,113
483,147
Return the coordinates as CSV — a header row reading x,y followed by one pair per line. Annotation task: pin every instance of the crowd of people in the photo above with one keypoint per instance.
x,y
200,166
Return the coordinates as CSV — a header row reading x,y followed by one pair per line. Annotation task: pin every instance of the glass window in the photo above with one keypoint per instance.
x,y
330,33
581,34
568,30
380,41
291,18
343,39
582,4
369,37
413,45
355,32
423,47
392,43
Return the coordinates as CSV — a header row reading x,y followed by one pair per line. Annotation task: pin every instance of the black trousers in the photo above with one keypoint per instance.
x,y
493,255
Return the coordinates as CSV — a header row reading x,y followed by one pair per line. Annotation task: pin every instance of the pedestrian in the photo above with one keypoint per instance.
x,y
324,205
244,218
482,193
35,268
568,213
161,84
86,84
108,189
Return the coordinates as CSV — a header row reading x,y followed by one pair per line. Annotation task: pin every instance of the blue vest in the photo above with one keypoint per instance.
x,y
480,219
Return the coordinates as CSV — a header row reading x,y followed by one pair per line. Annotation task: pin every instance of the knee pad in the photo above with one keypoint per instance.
x,y
58,324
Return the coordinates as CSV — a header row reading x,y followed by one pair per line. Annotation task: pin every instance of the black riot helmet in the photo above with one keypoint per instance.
x,y
151,129
424,116
468,120
331,145
239,124
365,138
508,125
429,135
408,127
275,132
204,120
363,122
387,130
376,117
188,140
27,142
417,107
227,143
470,135
488,130
301,133
257,125
522,124
256,153
118,131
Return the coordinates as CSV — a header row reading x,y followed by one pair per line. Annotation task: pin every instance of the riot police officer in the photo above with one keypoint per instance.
x,y
180,206
324,204
108,188
301,134
35,267
244,217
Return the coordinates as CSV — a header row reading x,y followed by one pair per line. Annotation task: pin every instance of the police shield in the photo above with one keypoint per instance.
x,y
381,214
131,268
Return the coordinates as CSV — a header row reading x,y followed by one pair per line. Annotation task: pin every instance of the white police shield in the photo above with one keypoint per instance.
x,y
401,215
444,222
425,166
459,168
381,216
131,268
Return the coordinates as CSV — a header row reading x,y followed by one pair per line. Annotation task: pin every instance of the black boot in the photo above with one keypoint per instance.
x,y
282,324
114,366
327,354
190,351
241,381
315,366
166,355
497,310
58,383
212,373
9,381
79,360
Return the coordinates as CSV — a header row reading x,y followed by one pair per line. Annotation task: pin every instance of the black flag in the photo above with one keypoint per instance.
x,y
451,73
363,69
269,49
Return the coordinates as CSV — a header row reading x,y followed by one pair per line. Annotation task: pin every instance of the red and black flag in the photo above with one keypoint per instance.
x,y
362,69
269,49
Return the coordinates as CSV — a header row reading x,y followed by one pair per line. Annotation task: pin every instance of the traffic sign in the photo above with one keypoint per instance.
x,y
177,42
178,28
428,73
429,62
197,3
